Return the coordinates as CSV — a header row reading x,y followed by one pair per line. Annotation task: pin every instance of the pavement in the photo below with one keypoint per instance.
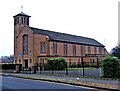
x,y
107,84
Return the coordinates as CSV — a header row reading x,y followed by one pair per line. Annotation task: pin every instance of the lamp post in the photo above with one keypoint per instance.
x,y
52,67
82,65
66,68
39,65
97,62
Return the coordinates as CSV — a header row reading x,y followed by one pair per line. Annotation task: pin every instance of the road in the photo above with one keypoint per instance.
x,y
19,83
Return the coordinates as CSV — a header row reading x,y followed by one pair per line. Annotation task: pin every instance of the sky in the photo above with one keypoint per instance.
x,y
96,19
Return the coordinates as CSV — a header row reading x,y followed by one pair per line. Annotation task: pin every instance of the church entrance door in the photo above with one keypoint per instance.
x,y
26,63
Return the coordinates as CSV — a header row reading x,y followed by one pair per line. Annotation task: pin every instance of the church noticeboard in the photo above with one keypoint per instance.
x,y
19,54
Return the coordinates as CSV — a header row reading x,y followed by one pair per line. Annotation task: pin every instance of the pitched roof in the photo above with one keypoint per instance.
x,y
22,14
57,36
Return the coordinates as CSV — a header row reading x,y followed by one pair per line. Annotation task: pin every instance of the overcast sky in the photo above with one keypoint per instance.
x,y
96,19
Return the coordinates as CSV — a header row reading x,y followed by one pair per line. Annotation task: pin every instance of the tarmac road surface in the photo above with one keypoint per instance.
x,y
19,84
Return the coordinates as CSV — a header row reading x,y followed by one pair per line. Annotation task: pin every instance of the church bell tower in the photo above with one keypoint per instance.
x,y
20,21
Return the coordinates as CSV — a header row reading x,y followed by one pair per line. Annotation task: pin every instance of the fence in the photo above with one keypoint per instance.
x,y
79,69
70,69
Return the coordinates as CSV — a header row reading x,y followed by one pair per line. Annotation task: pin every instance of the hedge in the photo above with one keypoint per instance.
x,y
111,67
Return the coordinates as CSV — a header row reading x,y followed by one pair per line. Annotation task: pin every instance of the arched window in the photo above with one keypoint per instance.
x,y
25,44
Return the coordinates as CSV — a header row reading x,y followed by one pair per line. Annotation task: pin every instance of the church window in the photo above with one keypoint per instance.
x,y
25,44
100,50
89,49
42,47
74,50
54,48
65,49
82,50
95,50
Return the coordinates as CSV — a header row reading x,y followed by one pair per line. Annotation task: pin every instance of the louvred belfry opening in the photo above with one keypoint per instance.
x,y
21,18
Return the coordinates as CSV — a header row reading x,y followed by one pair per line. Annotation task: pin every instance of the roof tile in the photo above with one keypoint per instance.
x,y
57,36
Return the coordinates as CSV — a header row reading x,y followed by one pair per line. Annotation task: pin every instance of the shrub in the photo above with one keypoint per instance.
x,y
79,65
111,67
46,67
56,63
73,65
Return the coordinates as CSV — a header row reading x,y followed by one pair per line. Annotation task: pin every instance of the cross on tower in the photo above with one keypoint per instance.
x,y
21,8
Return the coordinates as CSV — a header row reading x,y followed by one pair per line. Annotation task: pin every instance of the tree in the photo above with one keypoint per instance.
x,y
116,51
111,67
7,59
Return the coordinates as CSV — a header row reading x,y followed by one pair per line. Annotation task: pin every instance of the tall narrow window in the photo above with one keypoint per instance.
x,y
42,47
65,49
54,48
82,51
25,44
100,50
89,49
74,50
95,50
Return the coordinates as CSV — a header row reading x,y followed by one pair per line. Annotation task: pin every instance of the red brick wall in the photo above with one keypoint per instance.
x,y
19,48
37,40
60,51
34,47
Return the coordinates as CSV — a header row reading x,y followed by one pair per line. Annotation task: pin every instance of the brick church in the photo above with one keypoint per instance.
x,y
33,46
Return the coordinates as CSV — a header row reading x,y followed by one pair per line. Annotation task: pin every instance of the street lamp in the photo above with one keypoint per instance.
x,y
82,65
